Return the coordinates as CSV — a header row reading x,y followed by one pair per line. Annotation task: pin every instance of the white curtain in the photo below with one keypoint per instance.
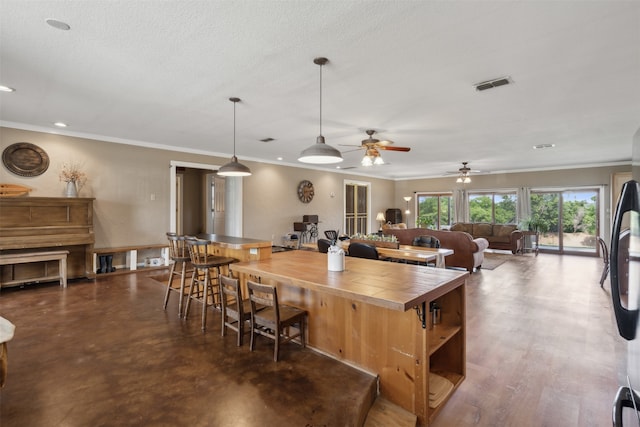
x,y
523,208
462,205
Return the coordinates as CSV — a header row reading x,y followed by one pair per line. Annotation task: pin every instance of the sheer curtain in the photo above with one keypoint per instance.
x,y
462,205
523,208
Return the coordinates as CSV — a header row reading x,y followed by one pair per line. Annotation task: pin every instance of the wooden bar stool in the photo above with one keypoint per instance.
x,y
204,284
301,228
179,254
273,320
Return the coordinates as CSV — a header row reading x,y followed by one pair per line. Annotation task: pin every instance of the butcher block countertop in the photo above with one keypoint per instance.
x,y
390,285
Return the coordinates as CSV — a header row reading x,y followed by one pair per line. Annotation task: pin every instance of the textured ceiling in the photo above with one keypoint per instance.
x,y
160,74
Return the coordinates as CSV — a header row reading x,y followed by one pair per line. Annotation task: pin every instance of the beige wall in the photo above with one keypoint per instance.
x,y
271,204
594,177
123,178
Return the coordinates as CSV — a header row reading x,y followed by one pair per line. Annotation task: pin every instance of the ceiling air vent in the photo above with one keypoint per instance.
x,y
267,140
493,83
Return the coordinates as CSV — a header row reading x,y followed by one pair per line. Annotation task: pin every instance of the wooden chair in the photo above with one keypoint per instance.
x,y
605,260
235,311
426,242
179,254
332,235
274,320
323,245
362,250
202,288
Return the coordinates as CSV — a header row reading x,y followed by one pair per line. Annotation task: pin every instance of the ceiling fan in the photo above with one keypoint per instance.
x,y
372,146
463,173
464,168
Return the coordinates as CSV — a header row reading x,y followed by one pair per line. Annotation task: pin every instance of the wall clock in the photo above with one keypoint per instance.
x,y
305,191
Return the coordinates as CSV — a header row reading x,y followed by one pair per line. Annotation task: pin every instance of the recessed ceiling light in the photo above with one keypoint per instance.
x,y
58,24
279,158
6,89
543,146
60,124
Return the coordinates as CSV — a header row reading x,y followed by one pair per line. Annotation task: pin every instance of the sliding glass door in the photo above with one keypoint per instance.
x,y
568,220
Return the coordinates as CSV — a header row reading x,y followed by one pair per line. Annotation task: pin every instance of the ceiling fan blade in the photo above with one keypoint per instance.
x,y
390,148
384,142
458,172
351,145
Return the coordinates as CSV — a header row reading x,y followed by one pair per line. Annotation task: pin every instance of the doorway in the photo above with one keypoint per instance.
x,y
356,207
231,217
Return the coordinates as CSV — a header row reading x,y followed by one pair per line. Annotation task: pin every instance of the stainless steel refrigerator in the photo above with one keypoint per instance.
x,y
625,292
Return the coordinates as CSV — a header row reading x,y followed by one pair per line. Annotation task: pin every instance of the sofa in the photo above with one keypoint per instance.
x,y
499,236
468,253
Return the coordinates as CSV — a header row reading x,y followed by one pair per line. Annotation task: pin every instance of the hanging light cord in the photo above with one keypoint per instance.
x,y
321,99
234,129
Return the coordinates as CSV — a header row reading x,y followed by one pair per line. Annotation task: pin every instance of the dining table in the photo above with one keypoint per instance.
x,y
417,254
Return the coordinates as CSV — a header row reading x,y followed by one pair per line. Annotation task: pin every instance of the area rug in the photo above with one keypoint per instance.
x,y
493,260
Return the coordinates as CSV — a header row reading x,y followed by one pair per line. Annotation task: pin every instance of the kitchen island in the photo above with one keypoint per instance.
x,y
376,315
240,248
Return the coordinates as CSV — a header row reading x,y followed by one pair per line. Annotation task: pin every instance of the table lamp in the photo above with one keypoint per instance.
x,y
380,217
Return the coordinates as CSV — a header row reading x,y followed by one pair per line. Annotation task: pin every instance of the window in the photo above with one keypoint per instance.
x,y
493,207
435,211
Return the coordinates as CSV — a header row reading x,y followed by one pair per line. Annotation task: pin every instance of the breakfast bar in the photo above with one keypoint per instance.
x,y
240,248
377,316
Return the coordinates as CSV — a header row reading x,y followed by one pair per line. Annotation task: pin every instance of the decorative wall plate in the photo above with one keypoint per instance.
x,y
25,159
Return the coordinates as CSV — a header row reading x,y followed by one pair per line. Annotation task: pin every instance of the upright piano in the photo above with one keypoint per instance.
x,y
34,224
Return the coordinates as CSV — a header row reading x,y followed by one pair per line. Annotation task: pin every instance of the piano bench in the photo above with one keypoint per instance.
x,y
28,257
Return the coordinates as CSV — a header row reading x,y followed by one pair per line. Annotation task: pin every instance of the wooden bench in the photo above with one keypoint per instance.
x,y
28,257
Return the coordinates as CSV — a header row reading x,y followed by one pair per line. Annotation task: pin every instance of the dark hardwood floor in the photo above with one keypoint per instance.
x,y
541,346
541,351
105,353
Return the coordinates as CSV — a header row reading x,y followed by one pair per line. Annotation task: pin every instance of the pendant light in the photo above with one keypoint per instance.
x,y
320,153
234,168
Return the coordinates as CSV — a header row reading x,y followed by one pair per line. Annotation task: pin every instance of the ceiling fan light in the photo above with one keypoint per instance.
x,y
378,161
366,161
466,180
459,180
320,153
